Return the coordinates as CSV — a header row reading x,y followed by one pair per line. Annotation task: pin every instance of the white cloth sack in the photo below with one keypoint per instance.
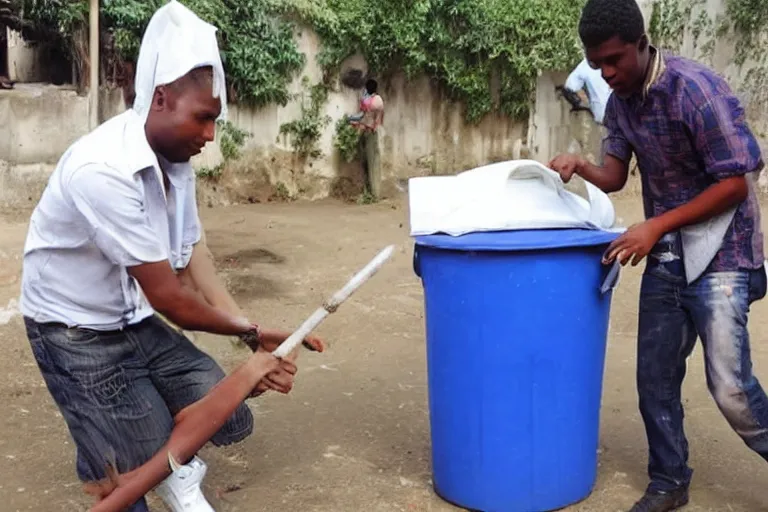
x,y
176,42
517,194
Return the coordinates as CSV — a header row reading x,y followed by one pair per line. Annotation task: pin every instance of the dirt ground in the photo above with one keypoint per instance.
x,y
354,434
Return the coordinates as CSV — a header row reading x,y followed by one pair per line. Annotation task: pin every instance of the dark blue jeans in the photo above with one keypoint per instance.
x,y
672,316
118,391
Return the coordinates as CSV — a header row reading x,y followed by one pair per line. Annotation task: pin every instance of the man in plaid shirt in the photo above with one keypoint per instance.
x,y
702,235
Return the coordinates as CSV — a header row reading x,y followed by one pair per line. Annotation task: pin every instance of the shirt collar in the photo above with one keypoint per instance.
x,y
179,174
655,70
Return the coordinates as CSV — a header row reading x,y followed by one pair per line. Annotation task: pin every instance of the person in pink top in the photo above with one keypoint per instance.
x,y
371,114
368,120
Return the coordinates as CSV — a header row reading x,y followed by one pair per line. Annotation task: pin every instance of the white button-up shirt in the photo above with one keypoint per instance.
x,y
105,209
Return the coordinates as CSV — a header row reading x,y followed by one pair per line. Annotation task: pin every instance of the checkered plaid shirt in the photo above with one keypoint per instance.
x,y
688,131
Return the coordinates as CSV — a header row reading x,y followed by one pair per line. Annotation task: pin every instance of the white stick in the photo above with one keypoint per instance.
x,y
333,303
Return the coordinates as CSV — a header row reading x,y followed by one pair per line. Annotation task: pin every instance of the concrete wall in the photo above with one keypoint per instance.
x,y
554,129
423,133
24,60
39,123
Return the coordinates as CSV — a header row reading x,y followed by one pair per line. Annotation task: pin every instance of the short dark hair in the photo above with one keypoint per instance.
x,y
602,20
197,77
371,86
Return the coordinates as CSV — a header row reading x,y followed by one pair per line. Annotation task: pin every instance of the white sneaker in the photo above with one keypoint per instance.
x,y
181,491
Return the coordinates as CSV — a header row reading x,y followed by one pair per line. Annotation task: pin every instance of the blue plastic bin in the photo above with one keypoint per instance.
x,y
516,330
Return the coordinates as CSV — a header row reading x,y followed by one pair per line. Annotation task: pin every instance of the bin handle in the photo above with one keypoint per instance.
x,y
416,261
611,278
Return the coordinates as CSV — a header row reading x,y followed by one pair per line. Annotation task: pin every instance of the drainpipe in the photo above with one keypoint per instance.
x,y
93,55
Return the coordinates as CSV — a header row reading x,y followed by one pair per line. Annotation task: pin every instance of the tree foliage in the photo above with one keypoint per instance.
x,y
748,20
485,53
305,131
258,50
41,20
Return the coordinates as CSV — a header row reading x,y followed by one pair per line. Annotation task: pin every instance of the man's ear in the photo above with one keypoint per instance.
x,y
643,44
160,99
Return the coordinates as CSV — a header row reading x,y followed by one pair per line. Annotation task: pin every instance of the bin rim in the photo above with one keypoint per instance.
x,y
519,240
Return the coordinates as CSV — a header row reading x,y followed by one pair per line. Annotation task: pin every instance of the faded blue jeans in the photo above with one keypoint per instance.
x,y
672,315
118,391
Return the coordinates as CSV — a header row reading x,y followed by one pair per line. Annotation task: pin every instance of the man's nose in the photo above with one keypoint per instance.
x,y
210,132
608,72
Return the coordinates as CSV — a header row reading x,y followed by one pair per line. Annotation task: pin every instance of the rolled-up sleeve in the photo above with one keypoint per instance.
x,y
113,207
614,142
722,138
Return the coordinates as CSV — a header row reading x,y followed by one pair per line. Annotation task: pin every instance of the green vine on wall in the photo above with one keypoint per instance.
x,y
485,53
259,52
672,20
231,142
746,20
305,132
258,48
346,140
743,24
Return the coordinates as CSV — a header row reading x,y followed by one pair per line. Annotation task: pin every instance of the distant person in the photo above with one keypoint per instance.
x,y
365,101
598,91
371,114
370,118
702,235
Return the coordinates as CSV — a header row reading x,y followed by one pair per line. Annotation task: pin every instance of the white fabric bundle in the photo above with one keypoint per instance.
x,y
176,41
517,194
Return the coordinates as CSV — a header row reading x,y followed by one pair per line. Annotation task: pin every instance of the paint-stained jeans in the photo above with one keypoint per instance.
x,y
119,391
672,315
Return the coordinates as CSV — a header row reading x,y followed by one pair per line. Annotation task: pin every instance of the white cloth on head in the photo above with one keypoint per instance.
x,y
176,42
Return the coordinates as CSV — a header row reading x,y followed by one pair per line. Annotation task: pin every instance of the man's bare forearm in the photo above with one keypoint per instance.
x,y
188,310
715,200
610,177
181,304
201,274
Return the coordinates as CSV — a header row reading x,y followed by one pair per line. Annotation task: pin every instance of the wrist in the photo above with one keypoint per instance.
x,y
581,166
259,365
272,336
251,337
658,226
